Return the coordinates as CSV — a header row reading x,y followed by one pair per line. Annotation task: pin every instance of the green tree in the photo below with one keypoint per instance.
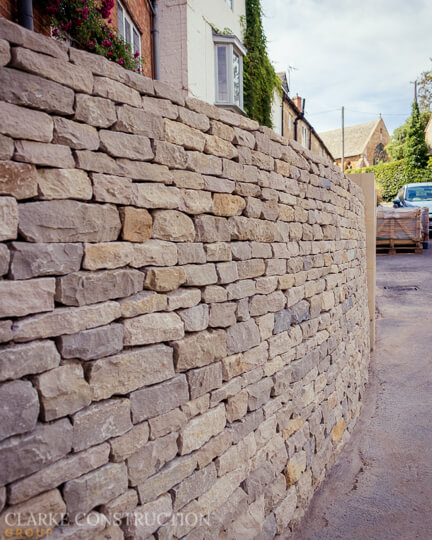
x,y
425,90
415,149
395,148
260,78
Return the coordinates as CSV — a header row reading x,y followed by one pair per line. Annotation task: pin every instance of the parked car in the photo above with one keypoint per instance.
x,y
418,194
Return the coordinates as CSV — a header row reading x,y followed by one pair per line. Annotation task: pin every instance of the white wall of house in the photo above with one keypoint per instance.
x,y
276,112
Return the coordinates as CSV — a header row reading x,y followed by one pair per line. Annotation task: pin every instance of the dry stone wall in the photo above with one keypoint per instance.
x,y
183,307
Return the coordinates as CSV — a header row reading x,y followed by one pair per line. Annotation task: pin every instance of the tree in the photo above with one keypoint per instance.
x,y
415,150
260,78
425,90
395,148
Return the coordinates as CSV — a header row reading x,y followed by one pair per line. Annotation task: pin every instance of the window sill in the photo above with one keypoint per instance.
x,y
231,107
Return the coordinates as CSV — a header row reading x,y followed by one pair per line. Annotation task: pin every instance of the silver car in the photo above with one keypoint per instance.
x,y
419,194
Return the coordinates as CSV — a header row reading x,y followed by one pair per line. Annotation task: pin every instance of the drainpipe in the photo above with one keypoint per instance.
x,y
155,33
299,117
25,13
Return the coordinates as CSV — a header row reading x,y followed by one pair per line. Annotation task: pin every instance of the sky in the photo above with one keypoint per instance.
x,y
361,54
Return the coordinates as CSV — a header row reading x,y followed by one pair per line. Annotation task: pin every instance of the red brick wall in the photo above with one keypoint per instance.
x,y
139,11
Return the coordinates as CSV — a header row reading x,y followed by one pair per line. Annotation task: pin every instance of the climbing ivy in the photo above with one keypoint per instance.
x,y
260,78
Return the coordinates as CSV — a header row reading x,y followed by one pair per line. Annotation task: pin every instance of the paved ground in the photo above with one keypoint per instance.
x,y
381,485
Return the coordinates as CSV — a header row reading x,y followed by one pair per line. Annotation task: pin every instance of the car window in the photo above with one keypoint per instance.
x,y
420,193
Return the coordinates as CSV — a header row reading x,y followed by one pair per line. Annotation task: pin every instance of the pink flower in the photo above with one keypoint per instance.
x,y
55,32
136,54
90,44
120,61
109,53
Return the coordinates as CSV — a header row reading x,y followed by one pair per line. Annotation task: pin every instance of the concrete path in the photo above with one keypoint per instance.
x,y
381,485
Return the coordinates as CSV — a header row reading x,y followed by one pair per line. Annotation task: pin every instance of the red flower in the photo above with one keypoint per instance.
x,y
120,61
136,54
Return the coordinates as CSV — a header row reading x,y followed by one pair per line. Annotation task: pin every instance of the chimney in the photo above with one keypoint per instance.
x,y
298,102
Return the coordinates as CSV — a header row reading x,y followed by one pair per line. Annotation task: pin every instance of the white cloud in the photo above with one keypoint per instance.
x,y
362,55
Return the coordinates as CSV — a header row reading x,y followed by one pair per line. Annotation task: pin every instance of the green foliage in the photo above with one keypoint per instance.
x,y
415,149
392,176
425,90
86,24
260,78
395,148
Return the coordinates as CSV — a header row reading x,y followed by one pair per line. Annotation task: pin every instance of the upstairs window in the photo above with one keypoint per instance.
x,y
230,3
127,30
304,136
229,52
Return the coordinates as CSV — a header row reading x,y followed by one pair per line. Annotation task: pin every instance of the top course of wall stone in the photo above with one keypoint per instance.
x,y
183,306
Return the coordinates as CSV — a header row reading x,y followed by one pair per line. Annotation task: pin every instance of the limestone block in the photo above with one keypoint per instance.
x,y
212,229
172,474
196,406
204,164
259,393
222,314
328,300
183,298
62,391
137,224
4,259
193,119
241,289
32,260
5,331
20,298
63,470
125,145
219,147
35,92
68,221
164,279
8,218
243,228
116,91
63,184
194,486
81,288
250,269
199,275
214,293
92,344
51,155
204,379
130,442
95,111
121,505
162,107
173,225
282,321
227,272
237,406
154,252
151,458
6,147
19,360
228,205
300,312
19,408
202,428
196,202
219,251
191,252
21,123
130,370
183,135
150,195
133,120
75,135
96,162
152,328
262,304
214,448
338,431
142,303
218,185
188,179
225,391
94,488
65,321
199,350
95,424
113,189
23,455
170,154
137,528
242,337
159,399
195,318
5,53
142,170
294,295
167,423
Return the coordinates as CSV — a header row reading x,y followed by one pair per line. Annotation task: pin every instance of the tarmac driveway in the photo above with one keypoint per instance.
x,y
381,485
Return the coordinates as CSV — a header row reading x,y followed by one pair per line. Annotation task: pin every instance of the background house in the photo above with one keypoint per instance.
x,y
428,135
288,119
364,144
201,49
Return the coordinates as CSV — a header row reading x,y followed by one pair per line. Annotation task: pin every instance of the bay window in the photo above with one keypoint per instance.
x,y
229,52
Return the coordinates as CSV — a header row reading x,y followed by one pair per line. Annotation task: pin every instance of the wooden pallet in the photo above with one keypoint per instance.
x,y
394,247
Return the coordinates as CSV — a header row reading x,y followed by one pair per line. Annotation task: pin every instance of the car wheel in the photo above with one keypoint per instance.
x,y
425,245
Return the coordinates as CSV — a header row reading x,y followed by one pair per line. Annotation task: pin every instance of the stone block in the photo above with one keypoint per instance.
x,y
20,298
199,275
214,448
193,119
218,185
300,312
5,331
82,288
164,279
227,272
282,321
241,289
220,147
164,90
183,298
159,398
94,488
149,195
222,314
4,259
142,170
99,422
183,135
58,473
265,303
125,145
74,134
250,269
65,321
172,474
5,55
194,486
112,189
35,92
6,147
121,505
203,163
242,337
205,379
21,123
196,406
236,407
199,350
167,423
188,179
95,111
142,303
92,344
155,253
212,229
96,162
137,528
149,459
137,224
219,251
8,218
228,205
62,391
191,252
23,455
173,225
132,369
152,328
170,154
214,293
19,408
130,442
19,360
51,155
201,429
196,202
68,221
116,91
32,260
133,120
162,107
195,318
259,393
63,184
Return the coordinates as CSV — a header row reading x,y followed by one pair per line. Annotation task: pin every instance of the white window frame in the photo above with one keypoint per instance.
x,y
122,28
304,133
232,45
230,3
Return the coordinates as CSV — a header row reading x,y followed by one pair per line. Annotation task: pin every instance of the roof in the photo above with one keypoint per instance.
x,y
356,138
